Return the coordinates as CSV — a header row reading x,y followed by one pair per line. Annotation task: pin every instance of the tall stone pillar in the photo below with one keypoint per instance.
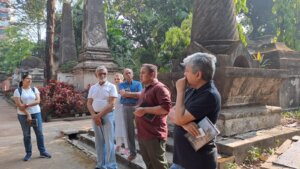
x,y
214,20
95,50
67,47
214,30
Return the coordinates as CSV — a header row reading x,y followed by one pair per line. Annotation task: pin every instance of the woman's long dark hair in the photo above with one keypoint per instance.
x,y
23,77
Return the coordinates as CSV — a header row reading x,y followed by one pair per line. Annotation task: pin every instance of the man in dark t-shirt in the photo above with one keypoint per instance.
x,y
200,100
151,118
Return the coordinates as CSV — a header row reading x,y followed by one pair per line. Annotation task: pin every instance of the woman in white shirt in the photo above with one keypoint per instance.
x,y
120,130
27,100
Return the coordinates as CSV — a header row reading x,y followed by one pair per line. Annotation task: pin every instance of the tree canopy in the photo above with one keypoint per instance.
x,y
152,31
287,22
14,49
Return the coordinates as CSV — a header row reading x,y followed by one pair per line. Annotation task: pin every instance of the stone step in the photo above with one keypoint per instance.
x,y
170,131
237,120
121,159
137,163
169,144
238,145
89,141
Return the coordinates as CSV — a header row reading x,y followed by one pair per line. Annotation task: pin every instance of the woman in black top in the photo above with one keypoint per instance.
x,y
197,97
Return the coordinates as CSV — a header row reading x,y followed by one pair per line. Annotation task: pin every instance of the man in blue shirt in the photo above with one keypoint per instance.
x,y
130,91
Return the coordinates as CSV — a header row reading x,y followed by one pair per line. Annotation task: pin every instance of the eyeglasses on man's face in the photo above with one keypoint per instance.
x,y
101,73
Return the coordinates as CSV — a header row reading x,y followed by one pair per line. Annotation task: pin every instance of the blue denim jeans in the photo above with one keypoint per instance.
x,y
38,132
104,142
176,166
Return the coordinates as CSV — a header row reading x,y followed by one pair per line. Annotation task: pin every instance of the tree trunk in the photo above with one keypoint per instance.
x,y
38,27
49,53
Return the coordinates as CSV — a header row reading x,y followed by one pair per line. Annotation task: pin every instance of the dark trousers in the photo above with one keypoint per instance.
x,y
153,153
129,124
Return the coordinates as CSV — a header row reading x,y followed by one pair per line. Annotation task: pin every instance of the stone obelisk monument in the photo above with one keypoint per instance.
x,y
67,47
95,50
214,20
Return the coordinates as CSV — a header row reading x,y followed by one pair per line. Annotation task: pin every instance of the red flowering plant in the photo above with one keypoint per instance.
x,y
59,99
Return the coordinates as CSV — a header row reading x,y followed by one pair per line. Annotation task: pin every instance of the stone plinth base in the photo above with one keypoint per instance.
x,y
84,73
66,78
236,120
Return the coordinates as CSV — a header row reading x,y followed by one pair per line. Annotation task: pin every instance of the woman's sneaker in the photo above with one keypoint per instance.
x,y
45,155
27,157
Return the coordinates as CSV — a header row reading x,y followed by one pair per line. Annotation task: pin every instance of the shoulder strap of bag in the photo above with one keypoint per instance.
x,y
20,90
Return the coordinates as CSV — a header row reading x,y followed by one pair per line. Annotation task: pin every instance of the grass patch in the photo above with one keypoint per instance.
x,y
231,166
291,114
256,154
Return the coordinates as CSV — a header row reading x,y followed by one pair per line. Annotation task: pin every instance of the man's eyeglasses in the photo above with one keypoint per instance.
x,y
102,74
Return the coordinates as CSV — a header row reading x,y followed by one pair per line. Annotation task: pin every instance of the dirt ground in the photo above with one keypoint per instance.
x,y
64,156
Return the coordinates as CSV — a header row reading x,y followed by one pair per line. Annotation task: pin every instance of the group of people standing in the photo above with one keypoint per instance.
x,y
145,105
114,108
117,109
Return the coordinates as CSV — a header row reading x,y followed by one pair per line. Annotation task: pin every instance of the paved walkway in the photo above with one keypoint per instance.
x,y
64,156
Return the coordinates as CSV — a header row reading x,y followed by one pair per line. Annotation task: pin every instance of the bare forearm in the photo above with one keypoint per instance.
x,y
179,106
157,110
134,95
91,110
33,103
107,109
26,113
18,103
182,116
